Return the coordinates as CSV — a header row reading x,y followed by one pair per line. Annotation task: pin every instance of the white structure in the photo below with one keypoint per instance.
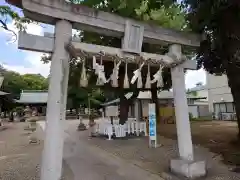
x,y
66,16
201,91
199,107
219,96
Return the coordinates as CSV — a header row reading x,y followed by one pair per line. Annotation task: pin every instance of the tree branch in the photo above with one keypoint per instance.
x,y
4,26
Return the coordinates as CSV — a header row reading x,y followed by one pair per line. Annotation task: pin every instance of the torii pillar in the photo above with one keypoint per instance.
x,y
185,165
56,105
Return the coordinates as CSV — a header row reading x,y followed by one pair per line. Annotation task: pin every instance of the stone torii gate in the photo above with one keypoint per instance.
x,y
66,16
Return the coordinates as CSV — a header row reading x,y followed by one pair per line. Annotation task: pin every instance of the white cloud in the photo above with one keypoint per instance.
x,y
35,65
193,77
33,58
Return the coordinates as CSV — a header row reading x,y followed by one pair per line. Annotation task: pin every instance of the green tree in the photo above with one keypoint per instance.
x,y
14,83
35,81
220,51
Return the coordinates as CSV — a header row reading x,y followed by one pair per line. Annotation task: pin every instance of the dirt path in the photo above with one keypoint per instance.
x,y
217,136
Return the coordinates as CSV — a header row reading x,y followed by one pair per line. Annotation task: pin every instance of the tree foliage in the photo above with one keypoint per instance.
x,y
14,83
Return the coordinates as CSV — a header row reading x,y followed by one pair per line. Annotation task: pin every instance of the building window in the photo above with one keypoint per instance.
x,y
216,107
230,107
226,107
223,107
190,101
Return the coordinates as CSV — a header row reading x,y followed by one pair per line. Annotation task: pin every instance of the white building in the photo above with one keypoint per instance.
x,y
220,97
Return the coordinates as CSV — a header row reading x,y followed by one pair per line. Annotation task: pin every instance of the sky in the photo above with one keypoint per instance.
x,y
30,62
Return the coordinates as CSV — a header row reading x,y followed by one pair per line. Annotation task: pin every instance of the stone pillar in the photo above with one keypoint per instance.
x,y
185,165
57,94
65,87
181,112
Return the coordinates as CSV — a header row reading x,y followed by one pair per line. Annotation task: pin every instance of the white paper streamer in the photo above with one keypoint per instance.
x,y
99,71
101,75
83,78
148,79
137,75
126,80
158,77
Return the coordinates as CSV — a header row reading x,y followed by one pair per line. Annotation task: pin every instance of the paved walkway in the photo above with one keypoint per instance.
x,y
88,162
91,163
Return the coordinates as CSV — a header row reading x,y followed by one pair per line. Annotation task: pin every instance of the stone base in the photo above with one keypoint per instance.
x,y
193,169
33,139
82,127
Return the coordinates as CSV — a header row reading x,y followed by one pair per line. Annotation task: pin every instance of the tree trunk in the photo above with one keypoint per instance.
x,y
124,108
229,32
233,73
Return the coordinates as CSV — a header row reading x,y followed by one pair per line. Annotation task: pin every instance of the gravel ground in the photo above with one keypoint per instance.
x,y
20,160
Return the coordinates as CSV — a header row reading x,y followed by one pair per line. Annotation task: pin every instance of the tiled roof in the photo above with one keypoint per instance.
x,y
33,97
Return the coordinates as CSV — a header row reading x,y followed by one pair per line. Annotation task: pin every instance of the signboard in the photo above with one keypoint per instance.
x,y
112,111
152,123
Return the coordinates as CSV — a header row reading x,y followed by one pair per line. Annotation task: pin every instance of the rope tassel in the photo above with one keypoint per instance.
x,y
114,76
158,77
83,79
148,79
139,82
126,80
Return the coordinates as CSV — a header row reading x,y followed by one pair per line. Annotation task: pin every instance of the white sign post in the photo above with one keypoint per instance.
x,y
152,125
